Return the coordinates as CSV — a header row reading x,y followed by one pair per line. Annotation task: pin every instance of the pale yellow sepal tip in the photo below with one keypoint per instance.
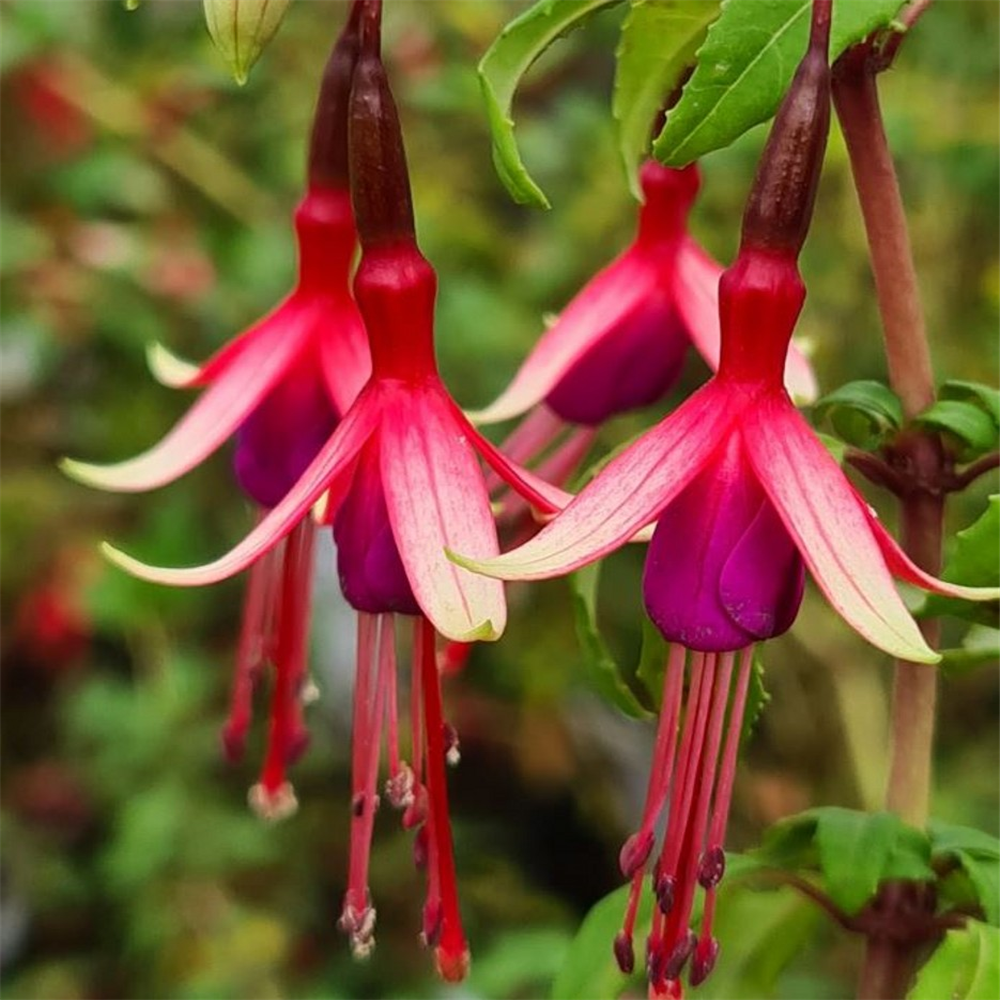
x,y
167,368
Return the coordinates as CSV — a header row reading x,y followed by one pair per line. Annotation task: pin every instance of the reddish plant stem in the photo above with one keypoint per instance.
x,y
888,965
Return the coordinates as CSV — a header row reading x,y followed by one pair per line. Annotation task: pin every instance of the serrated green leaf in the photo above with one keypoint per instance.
x,y
978,855
853,850
598,663
658,42
500,71
973,562
836,447
745,66
971,428
241,29
862,413
965,966
985,395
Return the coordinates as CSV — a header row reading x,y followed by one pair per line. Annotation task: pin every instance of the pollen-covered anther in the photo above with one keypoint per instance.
x,y
360,802
705,954
273,804
309,693
635,852
677,958
416,811
399,788
665,890
712,867
359,926
452,750
624,952
452,968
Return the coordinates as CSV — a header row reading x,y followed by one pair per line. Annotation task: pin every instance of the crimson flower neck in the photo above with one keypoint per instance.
x,y
395,289
760,298
326,236
668,195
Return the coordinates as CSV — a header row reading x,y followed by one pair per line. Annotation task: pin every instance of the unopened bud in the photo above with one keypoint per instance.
x,y
780,206
241,29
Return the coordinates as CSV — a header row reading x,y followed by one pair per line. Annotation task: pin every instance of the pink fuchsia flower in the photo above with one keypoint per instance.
x,y
399,479
279,389
744,499
621,342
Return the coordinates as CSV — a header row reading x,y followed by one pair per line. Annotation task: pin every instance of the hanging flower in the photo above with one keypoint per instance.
x,y
744,499
400,482
279,389
621,342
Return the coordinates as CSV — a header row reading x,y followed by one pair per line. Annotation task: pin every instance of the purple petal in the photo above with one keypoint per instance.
x,y
634,364
279,439
762,581
372,577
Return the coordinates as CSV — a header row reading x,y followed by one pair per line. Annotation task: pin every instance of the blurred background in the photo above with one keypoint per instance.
x,y
147,197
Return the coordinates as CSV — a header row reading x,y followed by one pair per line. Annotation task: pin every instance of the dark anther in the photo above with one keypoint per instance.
x,y
665,890
624,952
634,853
679,956
358,804
712,868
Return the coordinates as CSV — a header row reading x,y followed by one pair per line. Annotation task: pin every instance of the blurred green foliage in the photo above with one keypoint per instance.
x,y
146,196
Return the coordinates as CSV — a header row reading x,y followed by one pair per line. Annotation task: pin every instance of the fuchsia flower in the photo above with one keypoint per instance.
x,y
400,482
621,342
744,498
279,389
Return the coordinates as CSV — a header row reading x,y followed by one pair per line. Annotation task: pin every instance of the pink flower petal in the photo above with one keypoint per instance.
x,y
268,352
333,460
696,298
543,496
437,500
344,352
626,495
697,301
592,314
830,527
901,566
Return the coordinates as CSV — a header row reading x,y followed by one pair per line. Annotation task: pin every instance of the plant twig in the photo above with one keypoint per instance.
x,y
968,475
888,967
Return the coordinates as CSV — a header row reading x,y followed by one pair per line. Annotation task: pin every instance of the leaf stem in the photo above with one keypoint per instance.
x,y
888,966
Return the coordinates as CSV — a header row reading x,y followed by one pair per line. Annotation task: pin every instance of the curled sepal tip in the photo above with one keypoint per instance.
x,y
241,29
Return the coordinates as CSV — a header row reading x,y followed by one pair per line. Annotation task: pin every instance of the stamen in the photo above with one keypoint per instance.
x,y
452,750
451,951
528,440
698,817
251,650
375,634
273,797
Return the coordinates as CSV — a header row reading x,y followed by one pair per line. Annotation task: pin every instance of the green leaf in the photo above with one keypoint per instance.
x,y
973,562
978,856
241,29
500,71
658,42
965,966
652,661
980,648
973,392
862,413
757,698
790,843
746,65
130,4
853,850
590,969
971,429
836,447
759,932
599,665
